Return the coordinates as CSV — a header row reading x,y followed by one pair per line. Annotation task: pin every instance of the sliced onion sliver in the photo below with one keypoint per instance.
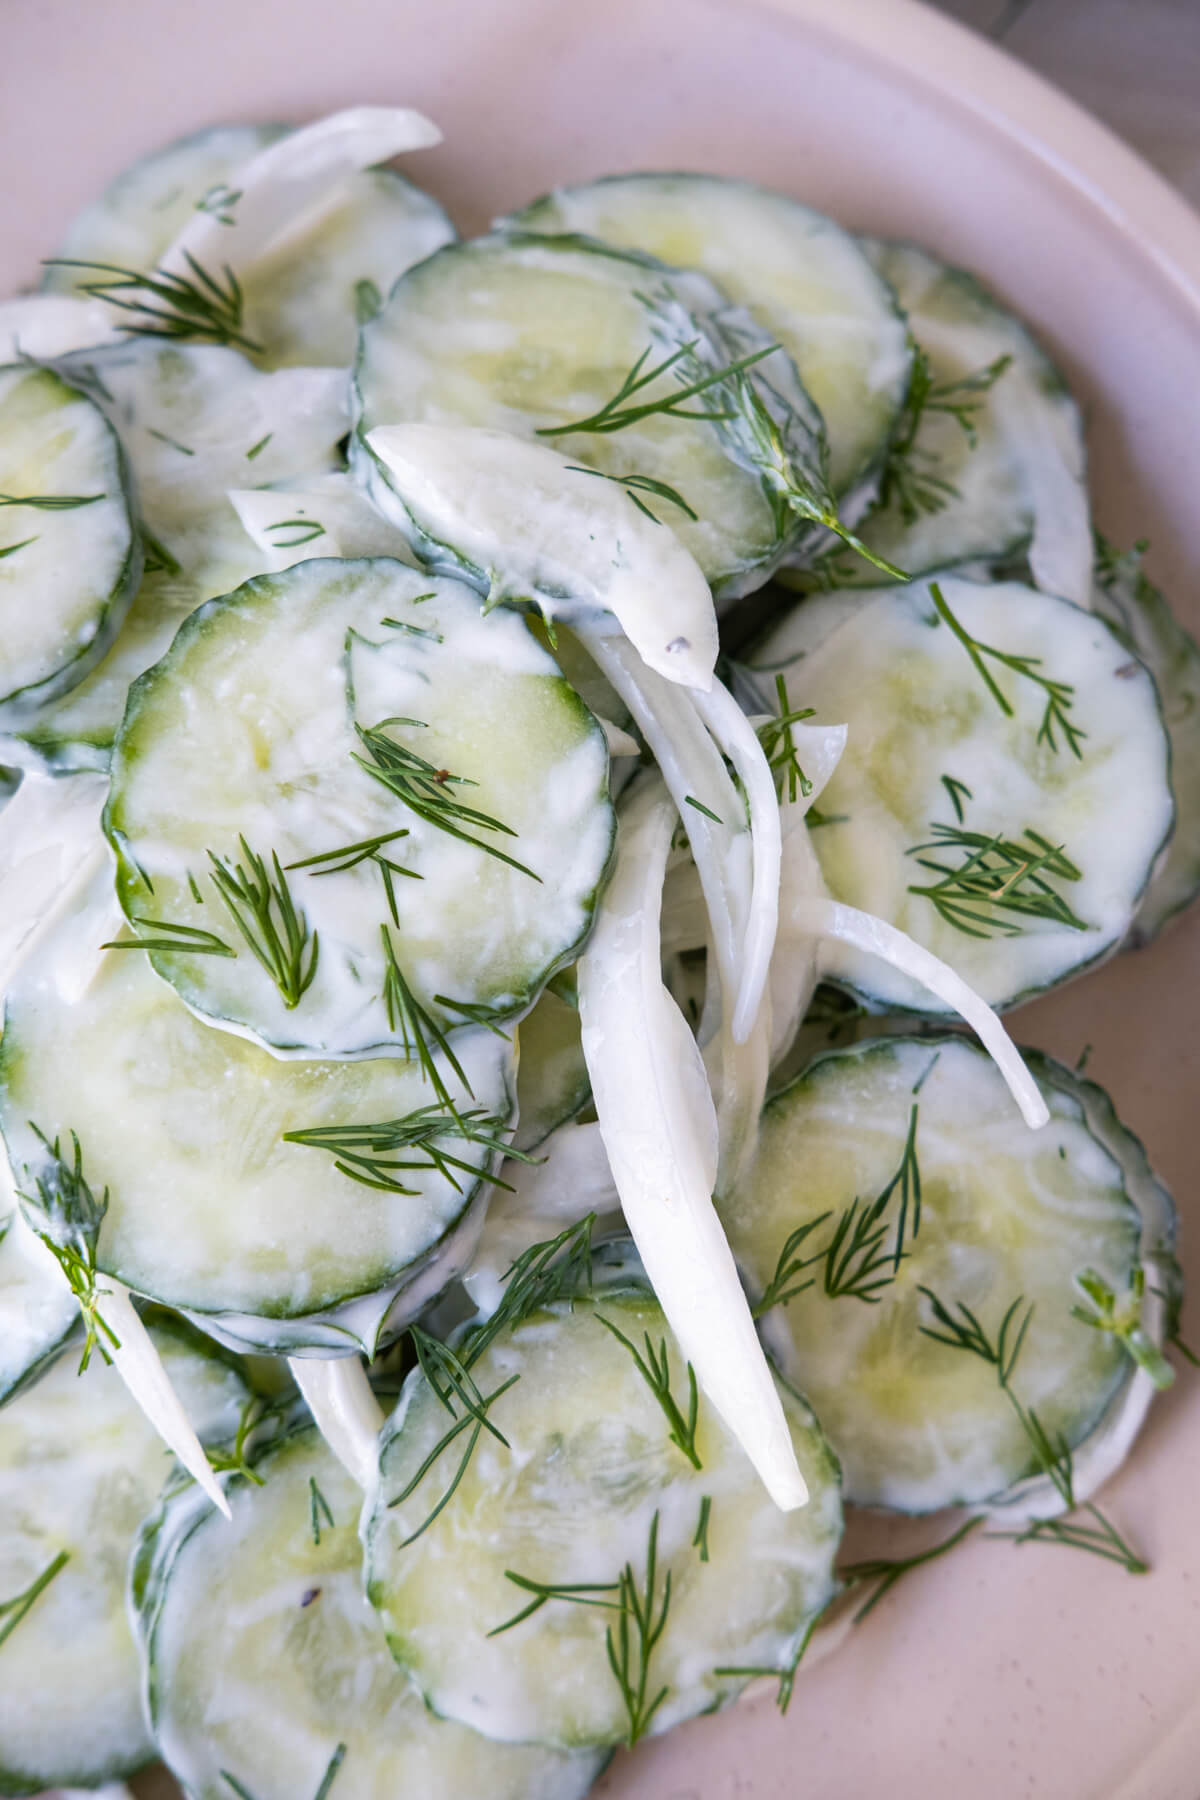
x,y
658,1124
344,1409
839,924
739,742
141,1368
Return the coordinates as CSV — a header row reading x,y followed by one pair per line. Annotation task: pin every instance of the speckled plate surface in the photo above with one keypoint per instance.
x,y
999,1673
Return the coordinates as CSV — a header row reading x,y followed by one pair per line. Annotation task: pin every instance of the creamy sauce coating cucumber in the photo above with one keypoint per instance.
x,y
1138,612
243,742
517,333
1002,1215
932,758
70,558
263,1656
37,1308
806,281
995,459
210,1209
79,1469
552,1077
571,1499
194,421
304,300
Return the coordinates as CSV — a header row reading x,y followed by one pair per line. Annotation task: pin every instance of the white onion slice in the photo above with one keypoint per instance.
x,y
285,185
838,924
659,1128
344,1409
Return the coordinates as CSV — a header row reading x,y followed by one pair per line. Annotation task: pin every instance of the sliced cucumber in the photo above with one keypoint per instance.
x,y
145,207
928,740
569,1496
1141,618
38,1312
196,421
70,559
1005,472
806,281
520,332
248,734
996,1214
79,1469
263,1656
266,1243
552,1080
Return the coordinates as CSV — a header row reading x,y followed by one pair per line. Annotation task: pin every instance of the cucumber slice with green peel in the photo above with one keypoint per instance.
x,y
1141,617
519,333
79,1469
990,460
196,421
38,1312
145,206
987,1215
552,1078
1006,814
316,684
268,1240
70,558
571,1496
264,1660
805,279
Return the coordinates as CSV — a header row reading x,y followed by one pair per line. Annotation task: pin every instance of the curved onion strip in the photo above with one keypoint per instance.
x,y
659,1127
738,741
292,179
838,924
344,1409
140,1367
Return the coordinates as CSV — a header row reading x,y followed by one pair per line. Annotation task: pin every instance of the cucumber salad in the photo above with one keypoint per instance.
x,y
533,767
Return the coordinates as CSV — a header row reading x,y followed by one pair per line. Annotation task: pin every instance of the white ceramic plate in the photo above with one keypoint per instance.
x,y
999,1673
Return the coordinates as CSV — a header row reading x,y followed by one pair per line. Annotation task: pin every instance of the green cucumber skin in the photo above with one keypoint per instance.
x,y
1052,1076
20,707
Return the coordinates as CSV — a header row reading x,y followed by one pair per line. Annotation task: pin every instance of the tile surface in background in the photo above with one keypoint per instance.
x,y
1134,63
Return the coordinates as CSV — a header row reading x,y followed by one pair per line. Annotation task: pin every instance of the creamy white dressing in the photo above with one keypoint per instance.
x,y
43,326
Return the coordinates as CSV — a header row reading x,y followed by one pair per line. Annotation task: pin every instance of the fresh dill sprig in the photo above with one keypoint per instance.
x,y
779,746
427,790
219,202
318,1509
691,800
700,1541
1060,695
11,549
579,1593
655,1370
632,1638
275,932
1052,1456
783,1285
180,940
1122,1319
13,1611
855,1259
235,1461
615,414
159,560
258,448
169,305
416,1028
368,1153
305,531
558,1269
170,442
910,481
71,1217
998,876
322,1793
476,1013
958,792
636,485
50,502
786,1676
365,850
887,1571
